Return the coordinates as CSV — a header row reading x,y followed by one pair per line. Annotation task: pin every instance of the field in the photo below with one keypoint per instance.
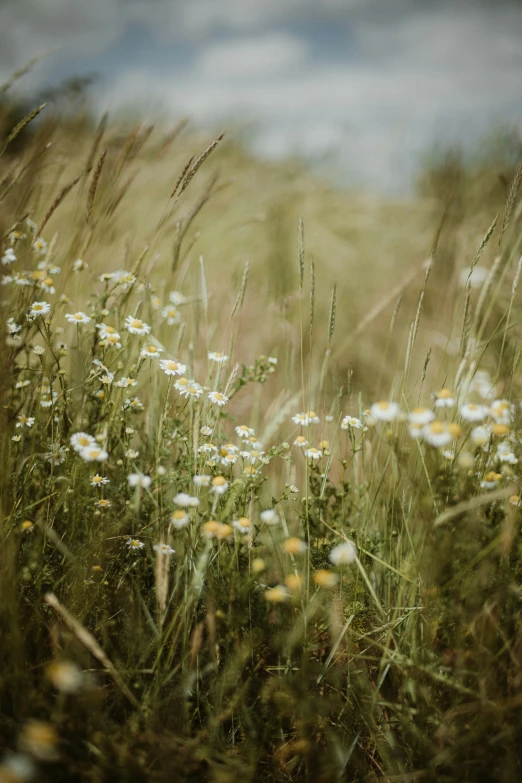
x,y
260,486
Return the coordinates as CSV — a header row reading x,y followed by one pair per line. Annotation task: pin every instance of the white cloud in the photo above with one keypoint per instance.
x,y
252,58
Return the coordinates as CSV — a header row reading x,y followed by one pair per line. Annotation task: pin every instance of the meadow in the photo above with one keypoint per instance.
x,y
260,488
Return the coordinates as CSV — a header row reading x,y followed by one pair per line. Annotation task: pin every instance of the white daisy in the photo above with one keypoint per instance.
x,y
437,434
24,421
472,412
216,356
98,480
136,326
179,519
78,318
39,308
421,416
384,410
93,453
219,485
171,367
150,352
177,298
243,431
171,314
185,500
351,422
163,549
81,440
444,399
313,453
218,398
134,543
201,480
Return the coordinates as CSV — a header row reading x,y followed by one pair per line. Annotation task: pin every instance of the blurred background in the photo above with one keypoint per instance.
x,y
363,90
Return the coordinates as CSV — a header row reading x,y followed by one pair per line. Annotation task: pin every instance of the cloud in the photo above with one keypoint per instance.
x,y
374,79
252,57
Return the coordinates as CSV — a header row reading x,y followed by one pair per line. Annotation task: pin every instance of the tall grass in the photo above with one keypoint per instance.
x,y
304,565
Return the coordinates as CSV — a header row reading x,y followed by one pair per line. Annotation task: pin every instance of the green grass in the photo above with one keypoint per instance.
x,y
250,654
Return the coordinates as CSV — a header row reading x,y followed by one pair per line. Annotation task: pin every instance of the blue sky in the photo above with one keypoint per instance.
x,y
368,84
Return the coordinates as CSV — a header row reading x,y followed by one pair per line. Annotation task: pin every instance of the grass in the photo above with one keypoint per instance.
x,y
335,599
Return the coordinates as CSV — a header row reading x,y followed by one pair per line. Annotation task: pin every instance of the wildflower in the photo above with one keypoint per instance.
x,y
243,524
132,454
56,454
277,594
217,530
163,549
78,318
201,480
437,434
343,554
192,389
514,500
47,400
500,429
421,416
243,431
272,360
177,298
325,578
181,384
48,285
25,527
301,419
22,384
16,438
66,676
40,245
294,582
150,352
313,453
139,480
219,485
9,257
124,383
24,421
134,543
133,403
103,503
206,431
218,398
98,480
505,453
252,442
301,442
351,422
253,456
472,412
207,448
106,331
78,265
111,341
491,480
384,411
81,440
39,308
216,356
135,326
172,315
294,546
185,500
40,739
269,516
171,367
12,326
15,236
444,399
415,431
502,411
179,519
93,453
480,435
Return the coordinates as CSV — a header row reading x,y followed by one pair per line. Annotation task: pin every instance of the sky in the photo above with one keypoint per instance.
x,y
361,87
